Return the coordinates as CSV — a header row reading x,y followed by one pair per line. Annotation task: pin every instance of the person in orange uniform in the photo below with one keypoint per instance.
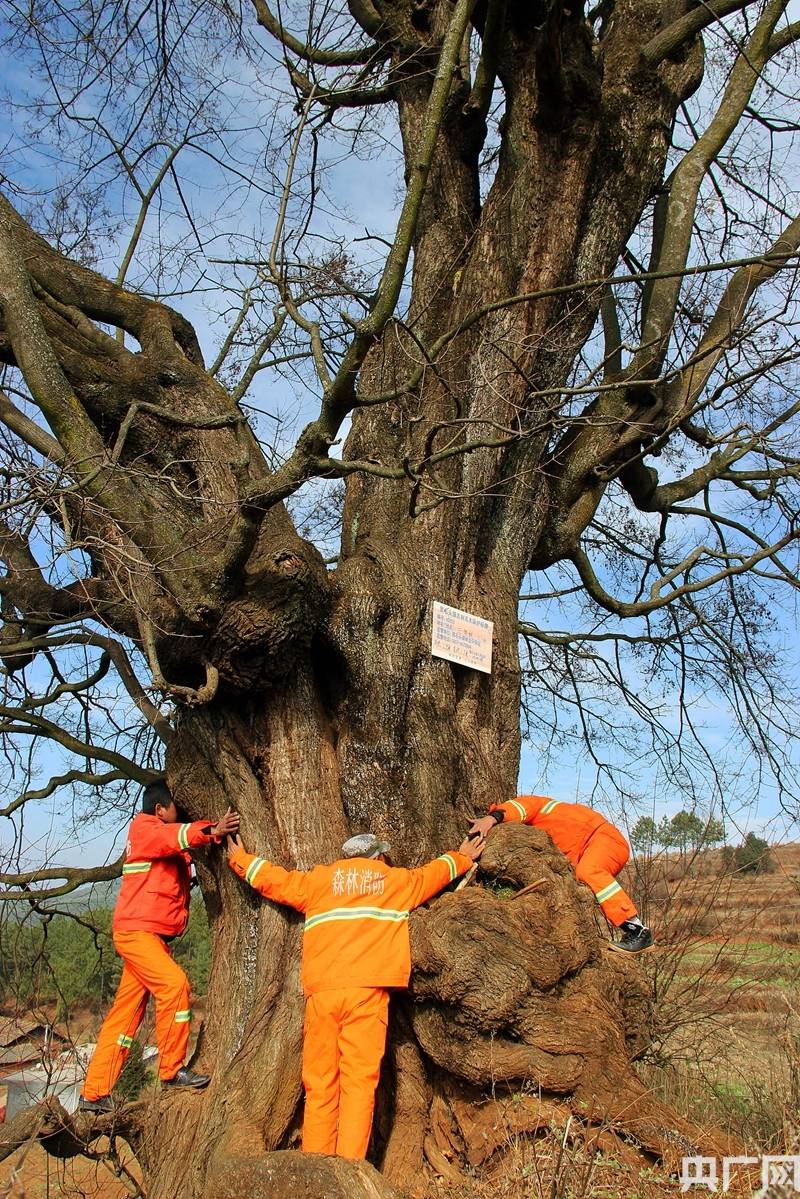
x,y
596,849
152,908
355,948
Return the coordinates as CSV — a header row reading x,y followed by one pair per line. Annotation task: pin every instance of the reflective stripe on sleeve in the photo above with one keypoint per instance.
x,y
518,808
183,836
183,1017
548,807
607,892
450,862
136,867
388,914
253,869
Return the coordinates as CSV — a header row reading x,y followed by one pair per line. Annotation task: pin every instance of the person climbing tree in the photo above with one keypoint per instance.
x,y
152,909
355,949
596,849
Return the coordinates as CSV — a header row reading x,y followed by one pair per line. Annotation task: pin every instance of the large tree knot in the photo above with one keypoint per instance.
x,y
529,1018
523,991
518,990
282,604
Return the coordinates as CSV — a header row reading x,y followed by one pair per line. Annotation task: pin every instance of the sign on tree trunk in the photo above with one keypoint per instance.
x,y
461,637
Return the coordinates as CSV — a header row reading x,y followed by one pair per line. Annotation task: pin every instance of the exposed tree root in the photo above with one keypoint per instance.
x,y
64,1135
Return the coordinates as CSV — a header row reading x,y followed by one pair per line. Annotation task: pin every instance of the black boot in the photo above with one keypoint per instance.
x,y
187,1078
103,1104
635,938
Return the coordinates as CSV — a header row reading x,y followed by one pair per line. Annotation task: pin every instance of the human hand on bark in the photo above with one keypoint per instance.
x,y
472,846
234,843
228,824
482,826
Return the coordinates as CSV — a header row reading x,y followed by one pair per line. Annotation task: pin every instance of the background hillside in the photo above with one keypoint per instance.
x,y
725,977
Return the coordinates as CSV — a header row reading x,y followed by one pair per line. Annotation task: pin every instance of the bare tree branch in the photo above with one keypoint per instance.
x,y
17,720
668,40
74,876
313,54
659,598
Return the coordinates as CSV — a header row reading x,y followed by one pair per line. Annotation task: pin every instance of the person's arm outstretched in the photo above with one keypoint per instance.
x,y
271,881
522,810
155,839
425,881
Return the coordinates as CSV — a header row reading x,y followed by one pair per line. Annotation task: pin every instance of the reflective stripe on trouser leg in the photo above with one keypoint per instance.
x,y
116,1036
362,1041
598,867
150,959
321,1073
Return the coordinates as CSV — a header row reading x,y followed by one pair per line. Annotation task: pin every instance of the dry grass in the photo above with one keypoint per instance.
x,y
569,1166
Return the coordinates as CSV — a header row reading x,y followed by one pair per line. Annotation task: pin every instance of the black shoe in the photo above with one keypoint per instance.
x,y
103,1104
634,940
187,1078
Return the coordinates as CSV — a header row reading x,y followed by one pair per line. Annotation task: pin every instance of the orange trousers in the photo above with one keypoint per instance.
x,y
148,970
344,1040
598,866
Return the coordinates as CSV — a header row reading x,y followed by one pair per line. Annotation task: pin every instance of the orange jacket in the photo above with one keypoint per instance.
x,y
154,896
356,909
570,825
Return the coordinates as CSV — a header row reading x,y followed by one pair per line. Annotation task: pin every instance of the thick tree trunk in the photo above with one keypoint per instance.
x,y
273,758
369,732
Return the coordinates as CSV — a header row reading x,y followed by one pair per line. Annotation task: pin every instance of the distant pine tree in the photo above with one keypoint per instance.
x,y
753,856
644,835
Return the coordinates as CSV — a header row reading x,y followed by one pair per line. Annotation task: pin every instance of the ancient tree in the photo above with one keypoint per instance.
x,y
570,376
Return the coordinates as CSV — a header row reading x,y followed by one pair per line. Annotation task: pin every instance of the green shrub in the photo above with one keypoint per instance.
x,y
134,1075
59,960
192,950
753,856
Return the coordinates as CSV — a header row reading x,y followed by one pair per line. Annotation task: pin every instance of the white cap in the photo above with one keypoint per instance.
x,y
364,845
